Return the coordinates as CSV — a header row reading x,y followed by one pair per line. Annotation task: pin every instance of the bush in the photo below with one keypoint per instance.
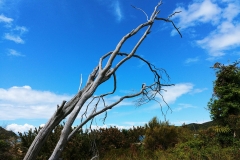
x,y
161,135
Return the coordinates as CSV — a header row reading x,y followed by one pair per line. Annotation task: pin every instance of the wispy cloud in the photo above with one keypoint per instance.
x,y
222,15
197,13
22,29
173,92
114,7
141,64
14,38
117,10
12,52
24,102
5,19
191,60
225,37
14,32
182,106
198,90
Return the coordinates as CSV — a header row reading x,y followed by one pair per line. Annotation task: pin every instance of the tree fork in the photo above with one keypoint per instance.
x,y
99,75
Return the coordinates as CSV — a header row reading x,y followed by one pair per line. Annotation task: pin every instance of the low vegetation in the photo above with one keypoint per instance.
x,y
161,140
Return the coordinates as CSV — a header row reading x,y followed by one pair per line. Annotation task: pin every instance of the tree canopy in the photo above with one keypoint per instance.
x,y
224,105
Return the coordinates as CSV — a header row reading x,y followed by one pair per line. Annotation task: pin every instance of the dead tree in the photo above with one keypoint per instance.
x,y
100,74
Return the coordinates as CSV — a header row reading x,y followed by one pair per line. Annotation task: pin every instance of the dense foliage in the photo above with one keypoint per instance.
x,y
162,141
224,105
226,97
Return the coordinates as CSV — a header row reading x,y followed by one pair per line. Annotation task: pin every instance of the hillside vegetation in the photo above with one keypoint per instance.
x,y
161,141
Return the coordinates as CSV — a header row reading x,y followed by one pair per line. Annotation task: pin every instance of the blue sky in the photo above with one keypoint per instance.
x,y
46,45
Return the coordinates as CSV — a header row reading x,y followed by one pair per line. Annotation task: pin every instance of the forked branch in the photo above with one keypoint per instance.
x,y
99,75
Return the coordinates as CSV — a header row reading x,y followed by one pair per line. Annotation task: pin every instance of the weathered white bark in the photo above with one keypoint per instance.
x,y
98,76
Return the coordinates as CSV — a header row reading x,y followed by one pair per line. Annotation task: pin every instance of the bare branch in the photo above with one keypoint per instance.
x,y
134,49
168,20
114,86
100,97
59,108
173,14
95,157
155,12
142,11
152,67
122,41
85,112
98,76
102,58
103,110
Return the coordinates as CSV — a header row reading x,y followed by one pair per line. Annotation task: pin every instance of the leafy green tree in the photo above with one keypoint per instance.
x,y
224,105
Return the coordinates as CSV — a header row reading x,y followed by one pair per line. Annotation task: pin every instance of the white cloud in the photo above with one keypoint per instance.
x,y
231,11
42,125
174,92
24,102
19,128
191,60
14,38
224,17
171,94
14,32
12,52
199,12
225,37
5,19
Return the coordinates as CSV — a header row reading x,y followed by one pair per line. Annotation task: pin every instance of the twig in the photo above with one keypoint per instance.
x,y
142,11
168,20
91,116
173,14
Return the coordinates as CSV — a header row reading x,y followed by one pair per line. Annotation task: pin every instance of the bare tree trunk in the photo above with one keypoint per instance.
x,y
99,75
58,116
